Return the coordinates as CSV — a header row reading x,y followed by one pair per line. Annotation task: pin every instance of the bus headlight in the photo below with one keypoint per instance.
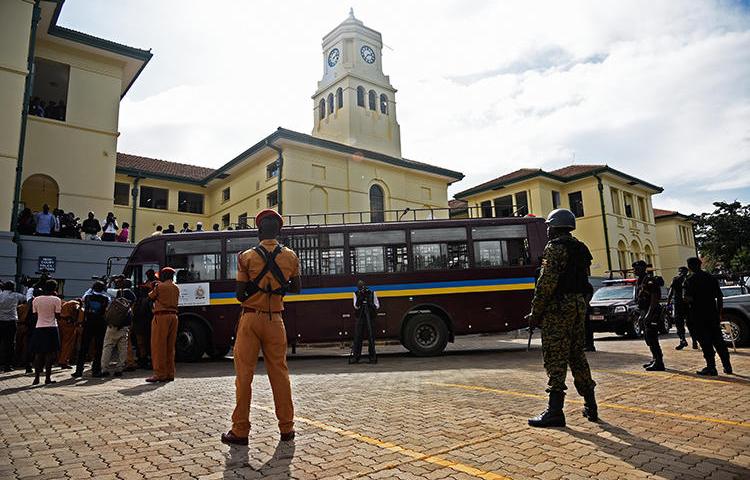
x,y
621,309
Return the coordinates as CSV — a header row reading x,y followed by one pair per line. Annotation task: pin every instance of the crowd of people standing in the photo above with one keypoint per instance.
x,y
61,224
109,327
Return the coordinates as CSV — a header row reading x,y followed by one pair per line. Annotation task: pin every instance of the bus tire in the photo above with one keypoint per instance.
x,y
217,353
425,334
192,339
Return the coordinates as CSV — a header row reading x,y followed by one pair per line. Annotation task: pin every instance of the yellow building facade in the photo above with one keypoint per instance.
x,y
676,238
351,163
615,216
76,81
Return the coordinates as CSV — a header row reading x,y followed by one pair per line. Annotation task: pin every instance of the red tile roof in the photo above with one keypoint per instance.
x,y
457,204
162,167
573,170
658,212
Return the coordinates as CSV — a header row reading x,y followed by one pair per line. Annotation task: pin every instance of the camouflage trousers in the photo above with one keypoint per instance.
x,y
563,339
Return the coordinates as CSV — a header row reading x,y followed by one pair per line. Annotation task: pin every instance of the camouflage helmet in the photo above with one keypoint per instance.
x,y
561,218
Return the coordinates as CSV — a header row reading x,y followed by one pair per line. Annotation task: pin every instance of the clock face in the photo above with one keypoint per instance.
x,y
368,55
333,57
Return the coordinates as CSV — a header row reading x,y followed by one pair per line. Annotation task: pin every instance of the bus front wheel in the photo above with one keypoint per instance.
x,y
425,334
192,339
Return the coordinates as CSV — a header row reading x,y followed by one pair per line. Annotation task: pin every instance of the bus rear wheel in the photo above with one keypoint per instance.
x,y
192,339
425,334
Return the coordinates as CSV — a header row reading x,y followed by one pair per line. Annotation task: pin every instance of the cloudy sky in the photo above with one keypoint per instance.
x,y
660,90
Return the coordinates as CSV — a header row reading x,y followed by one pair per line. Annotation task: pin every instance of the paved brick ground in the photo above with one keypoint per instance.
x,y
459,416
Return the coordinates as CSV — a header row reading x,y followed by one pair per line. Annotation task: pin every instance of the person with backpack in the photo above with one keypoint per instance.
x,y
119,317
264,275
166,297
95,303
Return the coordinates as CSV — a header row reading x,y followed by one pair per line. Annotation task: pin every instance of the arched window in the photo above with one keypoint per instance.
x,y
622,251
377,204
339,98
322,109
384,103
648,255
360,96
330,103
373,99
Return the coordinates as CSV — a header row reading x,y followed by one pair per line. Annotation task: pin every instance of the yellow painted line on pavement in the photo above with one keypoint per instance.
x,y
669,376
393,447
615,406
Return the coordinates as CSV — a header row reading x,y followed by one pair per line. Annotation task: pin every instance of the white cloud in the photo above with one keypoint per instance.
x,y
656,89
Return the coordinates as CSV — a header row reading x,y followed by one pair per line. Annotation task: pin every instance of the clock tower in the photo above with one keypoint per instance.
x,y
355,103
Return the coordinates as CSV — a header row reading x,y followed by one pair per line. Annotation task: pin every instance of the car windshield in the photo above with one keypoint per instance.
x,y
731,291
619,292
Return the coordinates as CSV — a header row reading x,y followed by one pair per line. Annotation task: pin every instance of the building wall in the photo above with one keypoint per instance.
x,y
15,28
79,153
590,228
147,219
674,248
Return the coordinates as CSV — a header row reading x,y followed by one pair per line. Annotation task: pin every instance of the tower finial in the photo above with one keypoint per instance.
x,y
351,13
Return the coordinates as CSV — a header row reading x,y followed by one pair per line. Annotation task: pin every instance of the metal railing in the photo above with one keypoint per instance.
x,y
379,216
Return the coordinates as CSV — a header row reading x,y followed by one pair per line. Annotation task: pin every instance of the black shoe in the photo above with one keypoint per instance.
x,y
589,349
7,369
553,415
36,381
231,439
353,360
695,346
590,409
373,360
656,367
76,374
29,370
682,345
117,374
707,372
649,364
287,437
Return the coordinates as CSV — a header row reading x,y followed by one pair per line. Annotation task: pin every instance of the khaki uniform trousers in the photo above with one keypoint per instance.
x,y
69,334
257,331
163,338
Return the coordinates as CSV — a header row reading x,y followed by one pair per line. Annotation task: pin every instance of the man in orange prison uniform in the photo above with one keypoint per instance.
x,y
70,331
264,274
166,296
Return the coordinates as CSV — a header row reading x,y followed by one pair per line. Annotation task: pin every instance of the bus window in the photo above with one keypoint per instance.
x,y
500,246
374,252
447,249
235,246
195,260
331,254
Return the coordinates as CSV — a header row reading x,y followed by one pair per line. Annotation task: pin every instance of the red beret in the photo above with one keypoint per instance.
x,y
166,270
268,213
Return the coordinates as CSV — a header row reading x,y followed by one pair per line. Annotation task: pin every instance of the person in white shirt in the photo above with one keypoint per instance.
x,y
366,304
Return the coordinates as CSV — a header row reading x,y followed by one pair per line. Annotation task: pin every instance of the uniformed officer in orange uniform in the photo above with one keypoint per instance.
x,y
264,274
70,330
166,296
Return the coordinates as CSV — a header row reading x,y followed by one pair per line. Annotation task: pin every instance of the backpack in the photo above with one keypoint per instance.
x,y
96,304
118,313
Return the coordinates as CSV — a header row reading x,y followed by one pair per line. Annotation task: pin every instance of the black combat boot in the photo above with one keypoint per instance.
x,y
590,410
657,366
646,365
683,344
553,415
708,372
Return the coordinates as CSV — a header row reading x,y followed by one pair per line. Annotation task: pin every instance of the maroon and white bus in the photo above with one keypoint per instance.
x,y
435,279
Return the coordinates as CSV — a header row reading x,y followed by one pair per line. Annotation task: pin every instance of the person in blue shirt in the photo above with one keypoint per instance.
x,y
45,222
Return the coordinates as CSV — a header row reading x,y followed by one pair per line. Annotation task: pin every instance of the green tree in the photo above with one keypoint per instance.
x,y
723,236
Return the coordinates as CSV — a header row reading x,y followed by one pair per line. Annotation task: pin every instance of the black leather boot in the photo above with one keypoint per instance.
x,y
553,415
590,410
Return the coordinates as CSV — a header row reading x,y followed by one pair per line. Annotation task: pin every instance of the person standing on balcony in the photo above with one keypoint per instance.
x,y
110,228
124,233
45,222
91,227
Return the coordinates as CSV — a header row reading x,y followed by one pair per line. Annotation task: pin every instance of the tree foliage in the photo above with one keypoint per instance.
x,y
723,237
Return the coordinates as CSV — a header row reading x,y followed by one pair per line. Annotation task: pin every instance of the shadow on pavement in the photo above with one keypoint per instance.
x,y
734,378
518,359
141,389
653,458
278,466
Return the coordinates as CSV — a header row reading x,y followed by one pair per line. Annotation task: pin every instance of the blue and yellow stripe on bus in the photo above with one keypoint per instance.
x,y
397,290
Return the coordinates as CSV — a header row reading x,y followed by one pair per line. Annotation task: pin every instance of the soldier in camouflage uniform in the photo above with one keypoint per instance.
x,y
560,306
